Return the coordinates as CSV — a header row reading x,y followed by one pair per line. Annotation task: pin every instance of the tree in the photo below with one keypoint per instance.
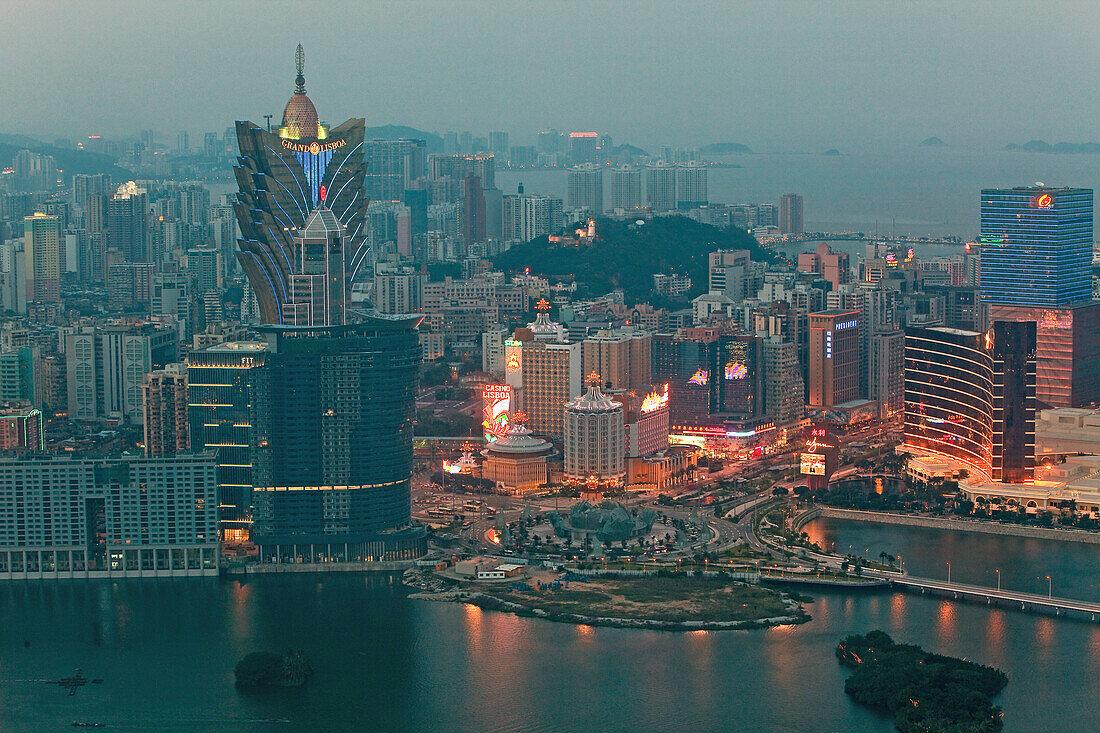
x,y
780,491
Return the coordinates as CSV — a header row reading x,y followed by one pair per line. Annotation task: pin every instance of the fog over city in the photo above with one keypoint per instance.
x,y
783,76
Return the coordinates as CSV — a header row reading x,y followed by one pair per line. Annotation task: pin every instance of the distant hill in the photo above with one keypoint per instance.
x,y
933,142
1042,146
626,255
69,161
433,143
627,149
725,148
832,151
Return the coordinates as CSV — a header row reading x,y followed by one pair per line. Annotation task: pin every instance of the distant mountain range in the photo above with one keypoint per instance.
x,y
1042,146
68,160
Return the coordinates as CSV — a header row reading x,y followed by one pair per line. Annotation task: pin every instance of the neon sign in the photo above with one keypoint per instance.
x,y
736,371
1044,201
322,193
513,360
700,378
498,402
314,147
654,401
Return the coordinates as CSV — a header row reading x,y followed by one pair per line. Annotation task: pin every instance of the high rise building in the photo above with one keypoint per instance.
x,y
128,222
1067,351
833,266
970,397
626,187
584,185
42,247
392,166
332,417
21,428
283,177
660,186
550,377
319,288
595,437
834,357
1036,246
106,366
790,213
498,143
584,147
691,185
398,289
164,406
886,371
622,357
528,217
108,517
221,385
784,388
458,167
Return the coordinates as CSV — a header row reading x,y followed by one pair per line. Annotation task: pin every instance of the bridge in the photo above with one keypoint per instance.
x,y
1031,602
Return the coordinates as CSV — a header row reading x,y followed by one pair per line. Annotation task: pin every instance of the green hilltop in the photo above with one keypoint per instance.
x,y
626,254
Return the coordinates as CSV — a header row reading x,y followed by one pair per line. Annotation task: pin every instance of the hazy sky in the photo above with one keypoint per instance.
x,y
776,76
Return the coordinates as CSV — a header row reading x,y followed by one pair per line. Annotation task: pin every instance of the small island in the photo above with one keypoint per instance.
x,y
832,151
663,600
258,670
923,691
933,142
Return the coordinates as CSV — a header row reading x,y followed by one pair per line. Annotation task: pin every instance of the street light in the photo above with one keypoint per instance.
x,y
949,573
998,572
1049,589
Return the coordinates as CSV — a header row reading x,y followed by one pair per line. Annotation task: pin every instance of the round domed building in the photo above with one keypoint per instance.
x,y
518,461
595,438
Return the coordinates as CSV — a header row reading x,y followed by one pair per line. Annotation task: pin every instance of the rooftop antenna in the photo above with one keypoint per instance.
x,y
300,64
268,118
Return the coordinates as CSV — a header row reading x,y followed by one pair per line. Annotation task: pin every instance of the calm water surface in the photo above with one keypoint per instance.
x,y
166,650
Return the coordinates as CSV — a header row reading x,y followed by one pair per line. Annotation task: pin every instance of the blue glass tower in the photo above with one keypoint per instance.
x,y
1036,246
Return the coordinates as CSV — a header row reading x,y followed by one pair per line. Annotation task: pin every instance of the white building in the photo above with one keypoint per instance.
x,y
660,187
108,517
691,185
584,188
595,437
626,188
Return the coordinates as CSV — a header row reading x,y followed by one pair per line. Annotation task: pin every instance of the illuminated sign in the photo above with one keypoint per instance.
x,y
812,464
314,147
814,444
700,378
513,360
736,371
322,192
846,324
654,401
498,402
1043,201
449,467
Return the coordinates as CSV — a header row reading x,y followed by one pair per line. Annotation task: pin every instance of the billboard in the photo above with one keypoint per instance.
x,y
812,464
497,399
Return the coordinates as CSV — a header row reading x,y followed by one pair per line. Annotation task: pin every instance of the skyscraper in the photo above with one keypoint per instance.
x,y
626,187
790,213
1036,246
332,416
585,188
42,244
283,177
1036,265
660,186
691,185
970,397
128,222
834,357
164,404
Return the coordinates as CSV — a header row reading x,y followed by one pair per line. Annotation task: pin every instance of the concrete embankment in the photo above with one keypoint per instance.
x,y
961,525
327,567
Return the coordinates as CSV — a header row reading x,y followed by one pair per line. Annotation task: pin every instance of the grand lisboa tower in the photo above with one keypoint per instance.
x,y
285,176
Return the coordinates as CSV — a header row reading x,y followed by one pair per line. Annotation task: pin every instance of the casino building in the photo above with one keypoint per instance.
x,y
284,176
970,398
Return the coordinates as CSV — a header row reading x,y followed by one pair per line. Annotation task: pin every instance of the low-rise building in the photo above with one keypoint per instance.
x,y
1067,430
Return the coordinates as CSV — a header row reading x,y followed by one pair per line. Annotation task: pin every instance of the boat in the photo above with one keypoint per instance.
x,y
88,724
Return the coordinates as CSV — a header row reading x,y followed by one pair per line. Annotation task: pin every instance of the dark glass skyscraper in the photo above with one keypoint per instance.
x,y
285,175
332,421
1036,246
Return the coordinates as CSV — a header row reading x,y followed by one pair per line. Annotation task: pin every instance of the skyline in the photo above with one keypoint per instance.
x,y
858,77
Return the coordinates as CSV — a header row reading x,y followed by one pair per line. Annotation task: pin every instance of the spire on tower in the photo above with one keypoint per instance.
x,y
300,64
